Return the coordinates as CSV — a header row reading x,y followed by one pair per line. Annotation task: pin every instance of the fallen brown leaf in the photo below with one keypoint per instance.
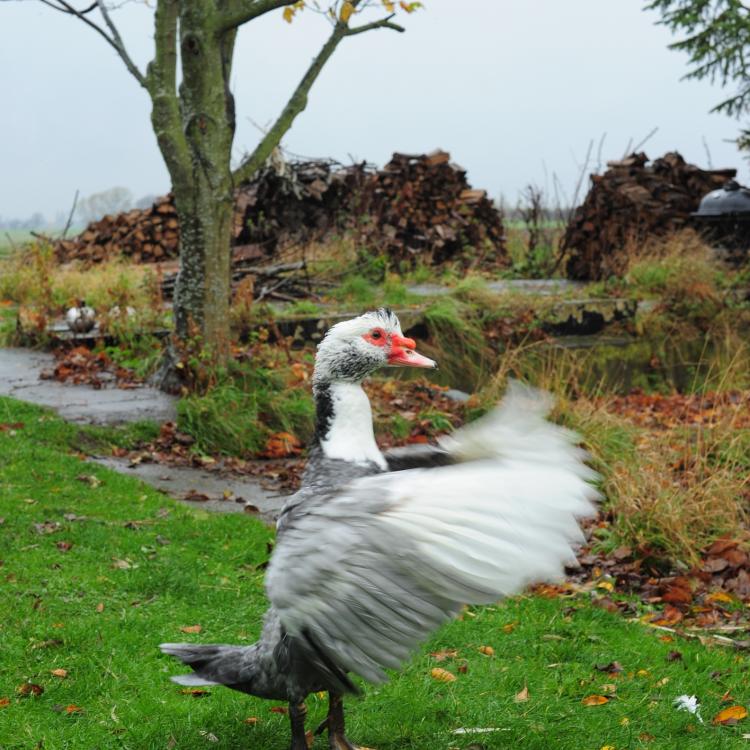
x,y
100,607
191,629
279,710
89,479
281,445
487,650
4,702
595,700
449,653
29,688
61,673
195,692
612,667
251,720
443,675
73,709
522,695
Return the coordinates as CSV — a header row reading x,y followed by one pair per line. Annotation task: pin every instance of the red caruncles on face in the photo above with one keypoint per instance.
x,y
376,337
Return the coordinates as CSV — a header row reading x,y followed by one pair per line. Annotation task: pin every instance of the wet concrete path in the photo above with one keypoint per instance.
x,y
20,371
19,377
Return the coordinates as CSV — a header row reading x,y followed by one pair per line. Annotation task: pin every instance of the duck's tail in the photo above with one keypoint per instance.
x,y
213,664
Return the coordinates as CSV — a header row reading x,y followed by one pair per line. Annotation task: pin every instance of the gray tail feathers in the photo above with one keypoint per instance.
x,y
213,664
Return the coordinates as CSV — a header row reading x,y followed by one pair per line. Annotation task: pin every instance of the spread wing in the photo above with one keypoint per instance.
x,y
369,575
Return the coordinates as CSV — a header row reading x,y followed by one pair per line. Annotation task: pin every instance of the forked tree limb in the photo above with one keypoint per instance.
x,y
298,100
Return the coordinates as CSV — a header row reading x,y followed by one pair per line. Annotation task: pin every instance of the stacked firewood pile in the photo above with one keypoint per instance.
x,y
423,208
145,235
631,201
417,207
292,203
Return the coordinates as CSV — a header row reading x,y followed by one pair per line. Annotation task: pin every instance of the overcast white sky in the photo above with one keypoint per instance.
x,y
514,89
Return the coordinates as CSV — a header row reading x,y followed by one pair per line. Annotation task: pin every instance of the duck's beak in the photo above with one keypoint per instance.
x,y
404,354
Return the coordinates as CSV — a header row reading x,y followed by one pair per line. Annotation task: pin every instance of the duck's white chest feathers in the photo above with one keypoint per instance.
x,y
350,436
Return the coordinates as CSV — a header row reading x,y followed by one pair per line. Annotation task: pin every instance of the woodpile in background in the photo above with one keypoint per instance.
x,y
417,207
145,235
631,201
423,208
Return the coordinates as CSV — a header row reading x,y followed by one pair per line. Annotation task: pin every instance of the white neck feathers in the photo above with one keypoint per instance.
x,y
350,436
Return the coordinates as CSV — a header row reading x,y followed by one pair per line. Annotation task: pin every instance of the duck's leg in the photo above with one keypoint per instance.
x,y
337,739
297,715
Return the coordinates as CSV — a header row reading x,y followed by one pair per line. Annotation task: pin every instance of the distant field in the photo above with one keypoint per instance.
x,y
10,238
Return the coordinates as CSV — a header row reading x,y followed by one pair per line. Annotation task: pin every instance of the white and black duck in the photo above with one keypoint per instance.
x,y
376,551
80,318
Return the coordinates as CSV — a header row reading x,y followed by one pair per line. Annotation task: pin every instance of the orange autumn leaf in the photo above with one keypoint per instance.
x,y
191,629
487,650
595,700
730,715
4,702
282,445
443,675
522,695
195,692
509,627
73,709
61,673
448,653
100,607
251,720
279,710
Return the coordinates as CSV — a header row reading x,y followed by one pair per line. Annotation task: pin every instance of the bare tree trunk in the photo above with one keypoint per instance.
x,y
202,180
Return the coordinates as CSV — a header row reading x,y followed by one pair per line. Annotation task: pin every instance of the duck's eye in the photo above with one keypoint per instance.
x,y
376,337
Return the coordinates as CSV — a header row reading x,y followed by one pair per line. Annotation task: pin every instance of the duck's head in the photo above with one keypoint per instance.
x,y
353,349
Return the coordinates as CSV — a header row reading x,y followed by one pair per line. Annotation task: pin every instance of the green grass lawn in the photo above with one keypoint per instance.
x,y
124,568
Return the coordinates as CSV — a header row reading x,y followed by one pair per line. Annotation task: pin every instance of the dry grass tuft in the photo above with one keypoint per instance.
x,y
32,277
670,488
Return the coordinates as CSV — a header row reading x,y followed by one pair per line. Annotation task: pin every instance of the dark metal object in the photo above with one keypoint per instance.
x,y
723,219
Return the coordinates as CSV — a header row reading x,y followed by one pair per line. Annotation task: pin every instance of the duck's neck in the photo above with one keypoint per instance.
x,y
344,423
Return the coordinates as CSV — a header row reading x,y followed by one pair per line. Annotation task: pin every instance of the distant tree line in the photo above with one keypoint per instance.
x,y
96,205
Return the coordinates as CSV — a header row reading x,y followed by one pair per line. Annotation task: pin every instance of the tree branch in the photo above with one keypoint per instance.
x,y
242,11
298,101
296,104
383,23
161,81
115,41
120,45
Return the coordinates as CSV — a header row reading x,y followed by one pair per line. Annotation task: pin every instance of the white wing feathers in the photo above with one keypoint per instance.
x,y
370,574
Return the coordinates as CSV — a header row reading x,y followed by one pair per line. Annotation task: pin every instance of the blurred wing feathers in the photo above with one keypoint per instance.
x,y
370,574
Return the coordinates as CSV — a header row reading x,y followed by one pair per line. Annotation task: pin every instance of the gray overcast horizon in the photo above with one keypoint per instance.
x,y
514,89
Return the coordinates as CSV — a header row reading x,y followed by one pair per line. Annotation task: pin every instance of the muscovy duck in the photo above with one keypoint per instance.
x,y
376,551
80,318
